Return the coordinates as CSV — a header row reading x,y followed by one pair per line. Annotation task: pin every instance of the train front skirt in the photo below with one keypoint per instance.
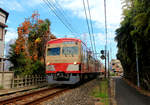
x,y
73,79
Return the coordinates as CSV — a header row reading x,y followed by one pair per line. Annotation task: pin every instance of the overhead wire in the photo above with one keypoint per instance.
x,y
87,22
52,7
62,13
59,12
91,26
65,16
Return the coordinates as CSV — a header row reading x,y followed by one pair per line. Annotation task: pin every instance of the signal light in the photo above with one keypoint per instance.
x,y
102,51
103,57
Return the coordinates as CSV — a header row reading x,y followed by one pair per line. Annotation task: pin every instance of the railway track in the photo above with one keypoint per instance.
x,y
34,97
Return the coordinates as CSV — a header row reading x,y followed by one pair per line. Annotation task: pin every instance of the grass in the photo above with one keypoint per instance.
x,y
101,91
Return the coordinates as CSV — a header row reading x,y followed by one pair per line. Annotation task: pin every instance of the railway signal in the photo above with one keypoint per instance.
x,y
103,56
102,51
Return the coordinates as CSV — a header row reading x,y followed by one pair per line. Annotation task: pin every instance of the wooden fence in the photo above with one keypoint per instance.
x,y
26,81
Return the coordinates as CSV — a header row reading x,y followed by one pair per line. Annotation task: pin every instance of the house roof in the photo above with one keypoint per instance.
x,y
4,13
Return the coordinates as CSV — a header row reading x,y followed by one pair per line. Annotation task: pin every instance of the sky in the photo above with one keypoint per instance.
x,y
74,13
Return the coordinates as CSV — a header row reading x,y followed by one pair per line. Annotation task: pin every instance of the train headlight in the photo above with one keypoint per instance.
x,y
47,63
50,68
75,63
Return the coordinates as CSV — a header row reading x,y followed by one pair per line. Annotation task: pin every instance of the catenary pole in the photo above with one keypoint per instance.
x,y
106,37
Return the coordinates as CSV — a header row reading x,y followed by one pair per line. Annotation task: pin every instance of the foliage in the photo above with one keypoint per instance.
x,y
28,53
134,31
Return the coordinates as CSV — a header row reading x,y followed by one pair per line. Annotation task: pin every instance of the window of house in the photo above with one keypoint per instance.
x,y
117,66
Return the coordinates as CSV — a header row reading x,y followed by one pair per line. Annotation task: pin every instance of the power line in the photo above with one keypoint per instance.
x,y
91,25
62,13
65,15
88,25
52,7
59,12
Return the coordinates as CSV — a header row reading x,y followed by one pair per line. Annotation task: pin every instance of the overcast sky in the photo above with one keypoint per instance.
x,y
74,11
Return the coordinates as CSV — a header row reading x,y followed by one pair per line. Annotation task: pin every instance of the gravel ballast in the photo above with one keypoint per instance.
x,y
77,96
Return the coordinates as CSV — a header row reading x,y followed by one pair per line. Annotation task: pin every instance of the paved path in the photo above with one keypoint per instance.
x,y
126,95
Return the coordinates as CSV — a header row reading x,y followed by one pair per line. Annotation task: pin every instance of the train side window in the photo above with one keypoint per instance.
x,y
82,53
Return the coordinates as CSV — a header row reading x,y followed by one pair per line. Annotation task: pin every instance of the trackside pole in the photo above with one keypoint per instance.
x,y
137,67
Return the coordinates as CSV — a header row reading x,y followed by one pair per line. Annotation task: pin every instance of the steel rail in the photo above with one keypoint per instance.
x,y
21,97
46,97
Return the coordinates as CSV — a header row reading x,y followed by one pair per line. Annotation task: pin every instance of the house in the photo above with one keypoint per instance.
x,y
116,66
3,20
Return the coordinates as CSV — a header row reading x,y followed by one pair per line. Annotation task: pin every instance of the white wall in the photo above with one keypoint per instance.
x,y
2,18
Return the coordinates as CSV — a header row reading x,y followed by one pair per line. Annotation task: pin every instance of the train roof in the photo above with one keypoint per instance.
x,y
60,40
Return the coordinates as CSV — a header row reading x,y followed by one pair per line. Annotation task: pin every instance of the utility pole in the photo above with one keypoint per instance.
x,y
108,64
137,66
105,62
137,58
106,37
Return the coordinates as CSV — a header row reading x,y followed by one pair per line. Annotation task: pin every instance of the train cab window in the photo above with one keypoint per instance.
x,y
70,50
53,51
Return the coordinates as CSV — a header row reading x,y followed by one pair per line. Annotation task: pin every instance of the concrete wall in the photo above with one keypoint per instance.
x,y
6,79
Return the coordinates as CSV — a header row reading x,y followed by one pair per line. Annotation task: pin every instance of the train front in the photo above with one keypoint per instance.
x,y
63,61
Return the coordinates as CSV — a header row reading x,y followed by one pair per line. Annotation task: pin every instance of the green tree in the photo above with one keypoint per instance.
x,y
20,64
134,29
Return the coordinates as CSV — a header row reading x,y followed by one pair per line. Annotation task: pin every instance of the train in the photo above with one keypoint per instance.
x,y
69,61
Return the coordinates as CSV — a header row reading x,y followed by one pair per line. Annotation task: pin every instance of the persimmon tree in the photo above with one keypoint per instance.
x,y
28,53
